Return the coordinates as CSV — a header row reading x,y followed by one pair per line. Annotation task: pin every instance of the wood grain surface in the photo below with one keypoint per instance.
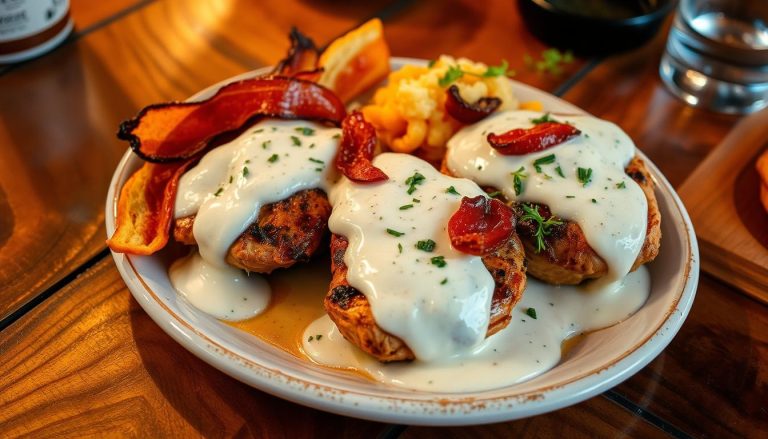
x,y
722,196
90,362
86,13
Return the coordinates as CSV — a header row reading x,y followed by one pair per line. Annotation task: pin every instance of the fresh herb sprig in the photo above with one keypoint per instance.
x,y
454,73
543,226
517,180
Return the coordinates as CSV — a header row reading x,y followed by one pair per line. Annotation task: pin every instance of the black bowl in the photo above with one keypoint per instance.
x,y
595,27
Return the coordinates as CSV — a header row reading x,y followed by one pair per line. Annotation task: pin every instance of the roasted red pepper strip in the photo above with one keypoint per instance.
x,y
358,140
481,225
176,131
465,112
145,208
527,140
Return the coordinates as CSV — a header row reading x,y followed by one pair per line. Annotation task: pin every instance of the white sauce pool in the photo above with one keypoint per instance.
x,y
526,348
611,209
269,162
439,307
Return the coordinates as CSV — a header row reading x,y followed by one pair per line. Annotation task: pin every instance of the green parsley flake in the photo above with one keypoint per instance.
x,y
594,201
494,194
416,200
218,192
296,141
413,181
531,313
452,190
439,261
570,196
621,185
259,130
559,171
406,206
311,337
305,131
314,160
399,247
395,233
431,63
451,75
517,182
545,118
265,144
273,158
546,160
426,245
584,175
543,227
500,70
245,171
231,178
337,136
444,281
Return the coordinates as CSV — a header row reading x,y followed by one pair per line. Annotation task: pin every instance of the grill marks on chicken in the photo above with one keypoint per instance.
x,y
285,232
351,312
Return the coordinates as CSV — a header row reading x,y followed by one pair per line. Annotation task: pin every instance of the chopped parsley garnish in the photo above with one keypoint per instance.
x,y
531,313
296,141
546,160
265,144
311,145
559,171
500,70
621,185
399,247
406,206
594,201
494,194
337,136
444,281
413,181
231,178
259,130
585,175
570,196
439,261
305,131
450,76
517,181
545,118
318,337
311,337
416,200
452,190
245,171
247,161
543,227
431,63
395,233
314,160
218,192
551,61
426,245
273,158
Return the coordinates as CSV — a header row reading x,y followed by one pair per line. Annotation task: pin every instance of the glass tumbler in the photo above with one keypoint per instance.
x,y
717,55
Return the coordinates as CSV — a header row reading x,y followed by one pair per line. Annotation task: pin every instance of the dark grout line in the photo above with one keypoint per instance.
x,y
48,292
392,431
644,414
80,33
578,76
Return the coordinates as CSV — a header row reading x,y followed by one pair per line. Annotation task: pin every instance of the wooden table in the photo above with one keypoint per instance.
x,y
79,357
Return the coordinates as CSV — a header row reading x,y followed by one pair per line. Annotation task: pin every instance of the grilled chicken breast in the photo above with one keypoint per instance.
x,y
568,259
286,232
351,312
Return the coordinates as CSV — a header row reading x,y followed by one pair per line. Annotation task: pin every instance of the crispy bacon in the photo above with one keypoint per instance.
x,y
145,208
302,59
465,112
481,225
175,131
358,141
528,140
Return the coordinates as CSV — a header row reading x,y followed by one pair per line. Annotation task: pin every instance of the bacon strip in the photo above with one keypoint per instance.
x,y
145,208
358,141
465,112
481,225
522,141
176,131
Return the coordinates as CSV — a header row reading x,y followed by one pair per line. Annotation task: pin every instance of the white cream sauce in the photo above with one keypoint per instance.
x,y
269,162
611,209
526,348
439,311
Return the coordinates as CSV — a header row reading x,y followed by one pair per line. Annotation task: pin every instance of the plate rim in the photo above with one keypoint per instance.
x,y
449,409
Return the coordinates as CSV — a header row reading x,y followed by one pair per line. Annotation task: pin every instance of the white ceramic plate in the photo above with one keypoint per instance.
x,y
602,360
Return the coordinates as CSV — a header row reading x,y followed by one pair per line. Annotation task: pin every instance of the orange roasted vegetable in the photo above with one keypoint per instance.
x,y
145,208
